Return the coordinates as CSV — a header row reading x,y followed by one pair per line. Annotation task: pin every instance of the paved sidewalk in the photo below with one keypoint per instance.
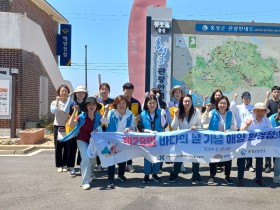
x,y
31,182
12,146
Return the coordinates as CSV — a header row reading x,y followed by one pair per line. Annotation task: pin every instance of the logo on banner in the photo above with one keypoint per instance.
x,y
218,156
204,27
110,150
161,157
243,152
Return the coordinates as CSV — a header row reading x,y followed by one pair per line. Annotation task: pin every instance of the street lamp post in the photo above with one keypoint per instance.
x,y
86,66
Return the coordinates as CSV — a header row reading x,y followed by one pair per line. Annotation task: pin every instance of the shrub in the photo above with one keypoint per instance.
x,y
46,121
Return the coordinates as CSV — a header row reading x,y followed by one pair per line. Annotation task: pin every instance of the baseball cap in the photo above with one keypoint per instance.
x,y
246,94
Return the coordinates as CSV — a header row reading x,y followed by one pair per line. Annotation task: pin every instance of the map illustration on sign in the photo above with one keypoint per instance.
x,y
233,64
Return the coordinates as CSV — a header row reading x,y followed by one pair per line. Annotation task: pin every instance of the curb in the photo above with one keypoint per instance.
x,y
21,149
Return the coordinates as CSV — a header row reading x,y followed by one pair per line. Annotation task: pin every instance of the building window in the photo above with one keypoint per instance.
x,y
4,6
4,70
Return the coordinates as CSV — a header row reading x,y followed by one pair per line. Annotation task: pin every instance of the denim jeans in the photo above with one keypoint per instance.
x,y
277,167
87,162
150,168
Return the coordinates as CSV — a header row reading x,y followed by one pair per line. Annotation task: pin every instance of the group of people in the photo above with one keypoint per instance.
x,y
78,116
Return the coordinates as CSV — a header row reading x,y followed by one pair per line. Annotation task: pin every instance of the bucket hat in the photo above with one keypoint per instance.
x,y
176,87
260,105
93,100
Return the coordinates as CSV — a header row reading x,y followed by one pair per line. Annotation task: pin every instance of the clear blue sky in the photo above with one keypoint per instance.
x,y
103,26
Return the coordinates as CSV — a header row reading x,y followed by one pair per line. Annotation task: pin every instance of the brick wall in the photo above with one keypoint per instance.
x,y
8,59
28,85
33,12
32,70
29,65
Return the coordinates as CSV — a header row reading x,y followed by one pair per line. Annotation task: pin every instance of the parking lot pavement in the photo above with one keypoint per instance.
x,y
31,182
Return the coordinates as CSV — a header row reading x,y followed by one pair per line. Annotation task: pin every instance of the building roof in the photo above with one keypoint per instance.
x,y
50,10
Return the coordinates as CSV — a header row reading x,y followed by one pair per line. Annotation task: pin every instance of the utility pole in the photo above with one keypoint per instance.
x,y
86,66
99,79
14,73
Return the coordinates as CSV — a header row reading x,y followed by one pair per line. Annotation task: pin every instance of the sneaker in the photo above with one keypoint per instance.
x,y
267,170
146,179
259,182
211,180
240,183
98,168
156,178
86,186
111,185
130,168
72,172
276,180
197,181
122,178
251,169
64,169
59,169
172,178
228,181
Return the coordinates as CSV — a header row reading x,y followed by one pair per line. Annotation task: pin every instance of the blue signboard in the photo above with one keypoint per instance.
x,y
64,45
232,28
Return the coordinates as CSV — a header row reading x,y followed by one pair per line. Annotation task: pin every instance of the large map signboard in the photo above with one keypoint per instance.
x,y
233,61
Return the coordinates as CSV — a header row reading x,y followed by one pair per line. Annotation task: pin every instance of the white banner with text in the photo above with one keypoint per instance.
x,y
202,146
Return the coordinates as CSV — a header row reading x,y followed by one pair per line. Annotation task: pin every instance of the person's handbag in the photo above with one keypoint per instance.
x,y
61,133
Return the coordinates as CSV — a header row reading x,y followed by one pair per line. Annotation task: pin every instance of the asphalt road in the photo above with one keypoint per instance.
x,y
31,182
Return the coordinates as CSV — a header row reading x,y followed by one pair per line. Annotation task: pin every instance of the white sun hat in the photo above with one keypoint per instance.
x,y
80,88
260,105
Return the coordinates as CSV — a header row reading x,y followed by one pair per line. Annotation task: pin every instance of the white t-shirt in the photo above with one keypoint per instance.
x,y
264,123
61,116
240,111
